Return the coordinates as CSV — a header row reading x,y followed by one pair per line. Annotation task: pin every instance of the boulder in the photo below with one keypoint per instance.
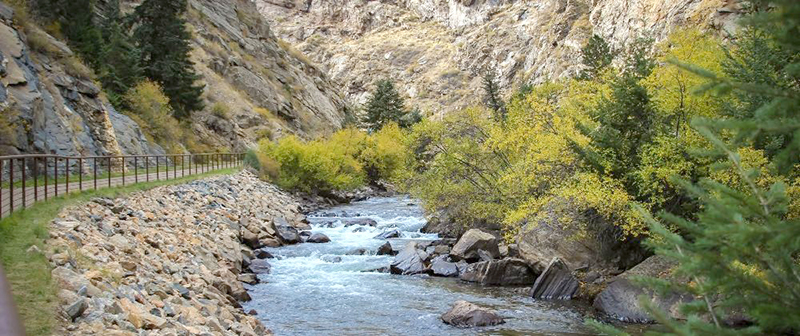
x,y
318,238
386,249
285,232
248,278
440,266
409,261
261,254
260,266
620,300
539,242
360,221
472,241
76,309
506,272
465,314
388,234
555,283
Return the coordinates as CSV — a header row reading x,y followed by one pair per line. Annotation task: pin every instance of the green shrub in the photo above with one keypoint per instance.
x,y
348,159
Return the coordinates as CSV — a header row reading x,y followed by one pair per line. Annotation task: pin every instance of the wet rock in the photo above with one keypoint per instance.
x,y
248,278
360,221
260,266
318,238
472,241
332,259
555,283
440,266
385,249
506,272
620,300
389,234
465,314
286,233
409,261
358,251
261,254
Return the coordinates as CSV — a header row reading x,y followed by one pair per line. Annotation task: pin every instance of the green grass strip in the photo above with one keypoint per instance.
x,y
29,273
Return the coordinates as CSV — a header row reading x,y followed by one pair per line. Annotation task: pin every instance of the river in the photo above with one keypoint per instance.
x,y
323,289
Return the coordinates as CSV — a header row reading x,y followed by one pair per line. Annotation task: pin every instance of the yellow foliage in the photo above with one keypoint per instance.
x,y
346,160
149,107
674,88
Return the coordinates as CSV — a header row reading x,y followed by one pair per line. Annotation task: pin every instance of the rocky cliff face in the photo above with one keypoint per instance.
x,y
269,88
437,49
51,105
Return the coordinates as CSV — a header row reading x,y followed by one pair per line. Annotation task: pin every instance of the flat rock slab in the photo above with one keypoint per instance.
x,y
555,283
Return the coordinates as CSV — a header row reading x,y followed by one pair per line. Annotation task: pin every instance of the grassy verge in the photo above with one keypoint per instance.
x,y
29,273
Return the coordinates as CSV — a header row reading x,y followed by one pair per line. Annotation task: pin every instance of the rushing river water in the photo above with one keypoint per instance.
x,y
323,289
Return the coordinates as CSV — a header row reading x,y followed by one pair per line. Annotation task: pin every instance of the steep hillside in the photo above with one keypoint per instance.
x,y
255,88
51,105
437,49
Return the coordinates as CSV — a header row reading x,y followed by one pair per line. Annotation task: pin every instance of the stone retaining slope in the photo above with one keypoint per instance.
x,y
164,260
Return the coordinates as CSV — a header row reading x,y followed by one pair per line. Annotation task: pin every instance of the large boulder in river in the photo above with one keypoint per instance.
x,y
286,233
555,283
409,261
260,266
473,240
388,234
441,266
554,234
506,272
385,249
620,300
465,314
318,238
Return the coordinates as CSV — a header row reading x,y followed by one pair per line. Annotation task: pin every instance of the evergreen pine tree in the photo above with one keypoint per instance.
x,y
492,96
596,55
625,122
741,253
77,21
163,41
384,106
120,69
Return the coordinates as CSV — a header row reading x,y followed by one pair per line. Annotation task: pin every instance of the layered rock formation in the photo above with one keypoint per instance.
x,y
437,49
51,104
170,260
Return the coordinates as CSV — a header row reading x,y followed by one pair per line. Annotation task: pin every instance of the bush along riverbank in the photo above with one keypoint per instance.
x,y
172,259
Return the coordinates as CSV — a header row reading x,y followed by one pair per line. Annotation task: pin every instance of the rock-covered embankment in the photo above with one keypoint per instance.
x,y
168,260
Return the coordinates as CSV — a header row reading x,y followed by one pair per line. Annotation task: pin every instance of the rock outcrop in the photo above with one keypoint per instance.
x,y
555,283
170,259
620,300
465,314
506,272
553,236
438,49
50,103
472,242
409,261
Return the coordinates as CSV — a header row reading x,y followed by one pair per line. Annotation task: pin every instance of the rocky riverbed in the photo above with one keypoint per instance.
x,y
233,255
168,261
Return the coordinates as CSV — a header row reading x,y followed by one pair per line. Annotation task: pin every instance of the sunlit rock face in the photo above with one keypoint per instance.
x,y
437,49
